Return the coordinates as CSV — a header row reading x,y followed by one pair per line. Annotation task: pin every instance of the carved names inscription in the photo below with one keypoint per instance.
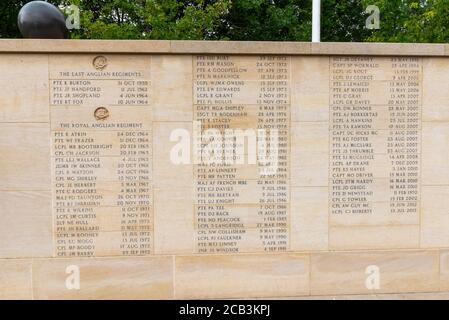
x,y
102,158
240,206
375,134
102,161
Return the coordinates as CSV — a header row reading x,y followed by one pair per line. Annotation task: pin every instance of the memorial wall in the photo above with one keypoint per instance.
x,y
183,170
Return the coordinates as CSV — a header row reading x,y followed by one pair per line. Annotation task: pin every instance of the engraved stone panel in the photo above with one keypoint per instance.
x,y
102,176
207,173
375,149
242,208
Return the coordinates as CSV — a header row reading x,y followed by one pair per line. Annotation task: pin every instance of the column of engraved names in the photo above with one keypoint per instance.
x,y
239,206
375,136
102,171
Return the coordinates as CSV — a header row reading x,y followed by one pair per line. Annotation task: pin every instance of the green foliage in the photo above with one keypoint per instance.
x,y
275,20
412,21
109,19
150,19
195,19
8,12
267,20
343,20
8,26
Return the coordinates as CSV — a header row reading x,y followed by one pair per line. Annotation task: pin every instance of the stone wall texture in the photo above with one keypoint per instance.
x,y
104,195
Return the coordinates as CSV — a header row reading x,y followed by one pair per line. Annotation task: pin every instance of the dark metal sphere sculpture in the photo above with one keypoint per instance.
x,y
42,20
